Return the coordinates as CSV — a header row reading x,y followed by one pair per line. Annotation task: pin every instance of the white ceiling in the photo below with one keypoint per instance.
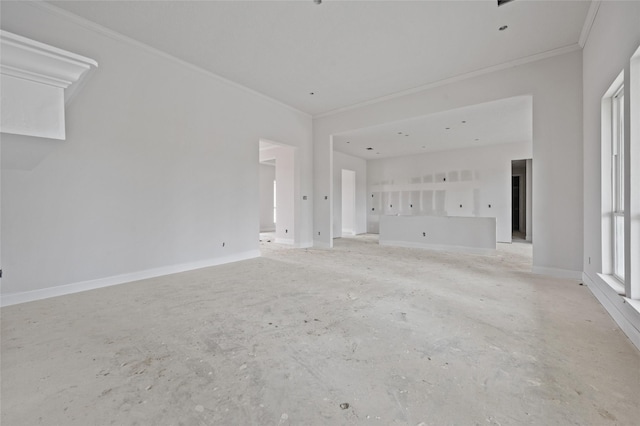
x,y
346,52
504,121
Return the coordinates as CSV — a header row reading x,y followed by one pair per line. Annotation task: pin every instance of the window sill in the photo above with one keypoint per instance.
x,y
612,282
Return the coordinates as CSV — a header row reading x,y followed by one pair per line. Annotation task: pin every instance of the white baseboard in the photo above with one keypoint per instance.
x,y
438,247
623,313
45,293
557,272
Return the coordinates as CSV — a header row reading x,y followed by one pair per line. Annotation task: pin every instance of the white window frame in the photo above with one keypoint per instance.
x,y
617,183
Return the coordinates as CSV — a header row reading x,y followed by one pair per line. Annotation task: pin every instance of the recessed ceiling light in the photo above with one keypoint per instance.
x,y
406,135
348,141
477,139
369,149
448,128
463,122
399,133
312,93
502,28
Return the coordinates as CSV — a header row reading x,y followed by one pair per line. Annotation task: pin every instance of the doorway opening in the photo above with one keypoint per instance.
x,y
277,199
521,201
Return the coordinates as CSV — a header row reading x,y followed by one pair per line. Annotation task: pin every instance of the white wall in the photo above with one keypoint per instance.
x,y
555,84
159,168
474,182
343,161
285,195
614,37
267,177
348,202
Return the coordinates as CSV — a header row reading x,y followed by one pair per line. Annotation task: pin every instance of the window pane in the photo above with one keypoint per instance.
x,y
618,256
621,152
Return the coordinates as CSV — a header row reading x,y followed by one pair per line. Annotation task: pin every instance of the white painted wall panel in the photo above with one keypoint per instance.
x,y
267,177
555,85
160,167
614,37
30,108
464,184
474,234
344,161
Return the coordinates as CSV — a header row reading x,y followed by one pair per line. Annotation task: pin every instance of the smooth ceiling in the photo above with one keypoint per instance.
x,y
345,52
504,121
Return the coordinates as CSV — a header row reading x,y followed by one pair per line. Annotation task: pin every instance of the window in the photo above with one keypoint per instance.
x,y
617,182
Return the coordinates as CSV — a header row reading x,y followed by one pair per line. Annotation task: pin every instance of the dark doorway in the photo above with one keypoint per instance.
x,y
515,203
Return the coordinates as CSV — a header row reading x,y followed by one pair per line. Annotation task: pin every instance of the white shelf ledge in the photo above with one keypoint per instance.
x,y
37,81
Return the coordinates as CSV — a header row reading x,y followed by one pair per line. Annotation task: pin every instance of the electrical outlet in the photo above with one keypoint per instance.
x,y
222,244
318,232
424,234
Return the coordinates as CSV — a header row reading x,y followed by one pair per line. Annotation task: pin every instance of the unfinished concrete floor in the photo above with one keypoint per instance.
x,y
404,336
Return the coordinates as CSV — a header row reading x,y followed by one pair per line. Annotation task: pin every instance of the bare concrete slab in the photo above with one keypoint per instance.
x,y
361,334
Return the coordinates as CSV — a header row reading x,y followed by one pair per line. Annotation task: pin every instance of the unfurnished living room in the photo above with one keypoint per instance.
x,y
320,212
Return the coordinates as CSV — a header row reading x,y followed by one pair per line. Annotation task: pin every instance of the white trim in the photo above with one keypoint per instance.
x,y
438,247
45,293
626,315
588,22
41,63
557,272
613,282
90,25
517,62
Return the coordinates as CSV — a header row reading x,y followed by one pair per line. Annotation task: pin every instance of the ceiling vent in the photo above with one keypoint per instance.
x,y
501,2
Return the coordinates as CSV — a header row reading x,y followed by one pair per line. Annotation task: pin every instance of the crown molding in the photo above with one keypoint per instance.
x,y
517,62
114,35
37,81
588,22
38,62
